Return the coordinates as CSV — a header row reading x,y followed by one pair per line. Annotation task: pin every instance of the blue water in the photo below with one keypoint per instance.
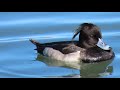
x,y
19,59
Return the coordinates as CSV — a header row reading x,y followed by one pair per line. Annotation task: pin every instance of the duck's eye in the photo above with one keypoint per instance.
x,y
91,35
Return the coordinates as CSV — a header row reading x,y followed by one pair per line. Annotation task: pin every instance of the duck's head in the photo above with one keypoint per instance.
x,y
90,36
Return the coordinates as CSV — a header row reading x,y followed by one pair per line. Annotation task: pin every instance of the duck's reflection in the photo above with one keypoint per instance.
x,y
87,70
96,69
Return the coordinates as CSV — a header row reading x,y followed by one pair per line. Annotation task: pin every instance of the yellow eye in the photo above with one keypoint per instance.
x,y
91,35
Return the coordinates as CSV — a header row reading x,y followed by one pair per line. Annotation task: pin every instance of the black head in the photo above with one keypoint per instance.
x,y
89,35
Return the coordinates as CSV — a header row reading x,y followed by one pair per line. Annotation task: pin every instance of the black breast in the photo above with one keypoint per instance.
x,y
97,54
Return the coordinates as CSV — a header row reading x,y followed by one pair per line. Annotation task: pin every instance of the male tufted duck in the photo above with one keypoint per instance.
x,y
89,48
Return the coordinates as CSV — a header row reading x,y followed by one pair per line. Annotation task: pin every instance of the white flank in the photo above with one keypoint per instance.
x,y
57,55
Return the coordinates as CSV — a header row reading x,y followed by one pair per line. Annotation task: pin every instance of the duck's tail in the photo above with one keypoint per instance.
x,y
34,42
39,47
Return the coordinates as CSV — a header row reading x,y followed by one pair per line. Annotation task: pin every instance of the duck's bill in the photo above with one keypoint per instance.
x,y
102,45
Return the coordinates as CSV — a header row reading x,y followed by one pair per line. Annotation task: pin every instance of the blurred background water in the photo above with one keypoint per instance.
x,y
18,59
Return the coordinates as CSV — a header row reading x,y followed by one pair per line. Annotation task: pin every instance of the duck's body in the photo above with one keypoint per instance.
x,y
70,51
89,48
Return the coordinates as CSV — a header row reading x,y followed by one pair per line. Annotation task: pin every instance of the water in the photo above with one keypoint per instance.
x,y
19,59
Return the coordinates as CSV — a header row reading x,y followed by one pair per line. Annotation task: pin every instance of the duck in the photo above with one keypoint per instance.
x,y
89,48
